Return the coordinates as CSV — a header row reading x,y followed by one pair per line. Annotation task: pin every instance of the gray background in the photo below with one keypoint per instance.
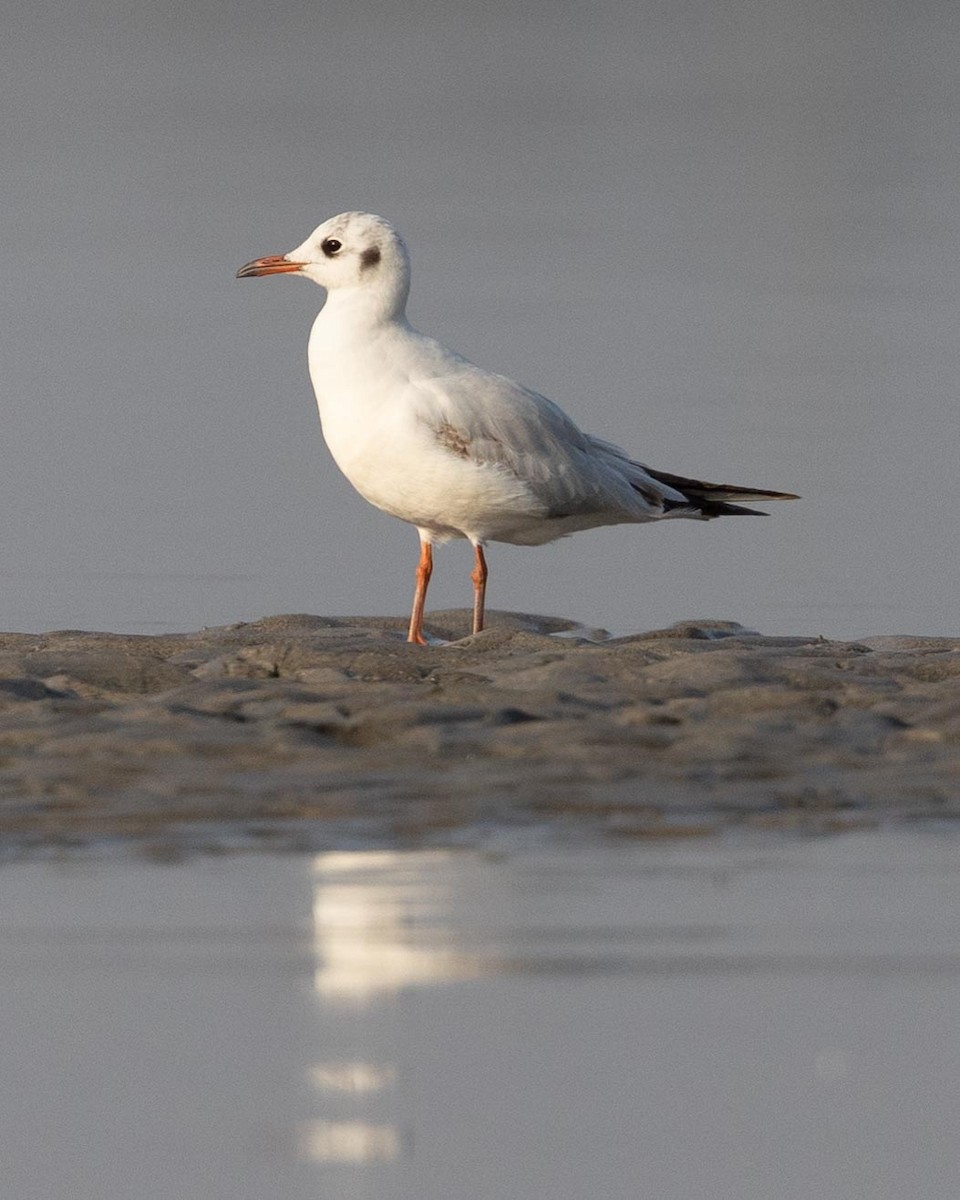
x,y
724,235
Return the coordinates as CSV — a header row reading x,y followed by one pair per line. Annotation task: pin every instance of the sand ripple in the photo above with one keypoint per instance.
x,y
337,728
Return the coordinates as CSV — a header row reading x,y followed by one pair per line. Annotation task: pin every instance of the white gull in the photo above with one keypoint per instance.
x,y
457,451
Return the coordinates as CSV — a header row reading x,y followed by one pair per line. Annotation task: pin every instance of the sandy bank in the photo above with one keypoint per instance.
x,y
297,718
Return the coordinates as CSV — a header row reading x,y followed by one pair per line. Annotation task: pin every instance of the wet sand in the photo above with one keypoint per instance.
x,y
312,730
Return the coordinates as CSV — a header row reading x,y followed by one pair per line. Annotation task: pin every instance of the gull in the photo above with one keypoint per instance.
x,y
455,450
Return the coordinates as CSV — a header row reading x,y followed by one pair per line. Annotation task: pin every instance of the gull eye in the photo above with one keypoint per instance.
x,y
330,247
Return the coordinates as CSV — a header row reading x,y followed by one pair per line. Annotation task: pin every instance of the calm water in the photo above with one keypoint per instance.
x,y
721,1019
724,235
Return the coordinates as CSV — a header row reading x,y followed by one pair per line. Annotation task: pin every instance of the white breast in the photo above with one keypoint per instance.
x,y
378,413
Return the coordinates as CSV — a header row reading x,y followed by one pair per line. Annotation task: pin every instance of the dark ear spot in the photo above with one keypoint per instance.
x,y
370,257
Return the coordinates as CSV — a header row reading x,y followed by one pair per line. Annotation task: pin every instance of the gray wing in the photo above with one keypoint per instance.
x,y
495,422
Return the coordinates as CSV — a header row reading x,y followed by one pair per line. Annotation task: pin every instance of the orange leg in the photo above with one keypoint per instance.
x,y
424,571
479,577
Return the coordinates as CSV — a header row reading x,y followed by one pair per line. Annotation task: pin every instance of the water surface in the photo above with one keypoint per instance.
x,y
730,1019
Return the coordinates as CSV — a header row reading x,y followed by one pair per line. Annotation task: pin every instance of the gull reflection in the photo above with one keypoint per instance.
x,y
381,923
353,1078
348,1141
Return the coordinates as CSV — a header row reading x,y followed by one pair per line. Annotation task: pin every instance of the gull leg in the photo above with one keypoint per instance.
x,y
424,571
479,577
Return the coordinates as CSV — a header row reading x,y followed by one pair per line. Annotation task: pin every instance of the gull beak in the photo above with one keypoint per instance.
x,y
274,264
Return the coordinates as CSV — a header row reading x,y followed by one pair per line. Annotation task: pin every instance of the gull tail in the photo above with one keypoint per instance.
x,y
709,500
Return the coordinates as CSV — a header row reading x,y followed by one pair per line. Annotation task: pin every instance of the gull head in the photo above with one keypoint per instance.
x,y
351,251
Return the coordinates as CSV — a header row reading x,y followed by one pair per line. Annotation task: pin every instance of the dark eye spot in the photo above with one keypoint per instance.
x,y
330,247
370,257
